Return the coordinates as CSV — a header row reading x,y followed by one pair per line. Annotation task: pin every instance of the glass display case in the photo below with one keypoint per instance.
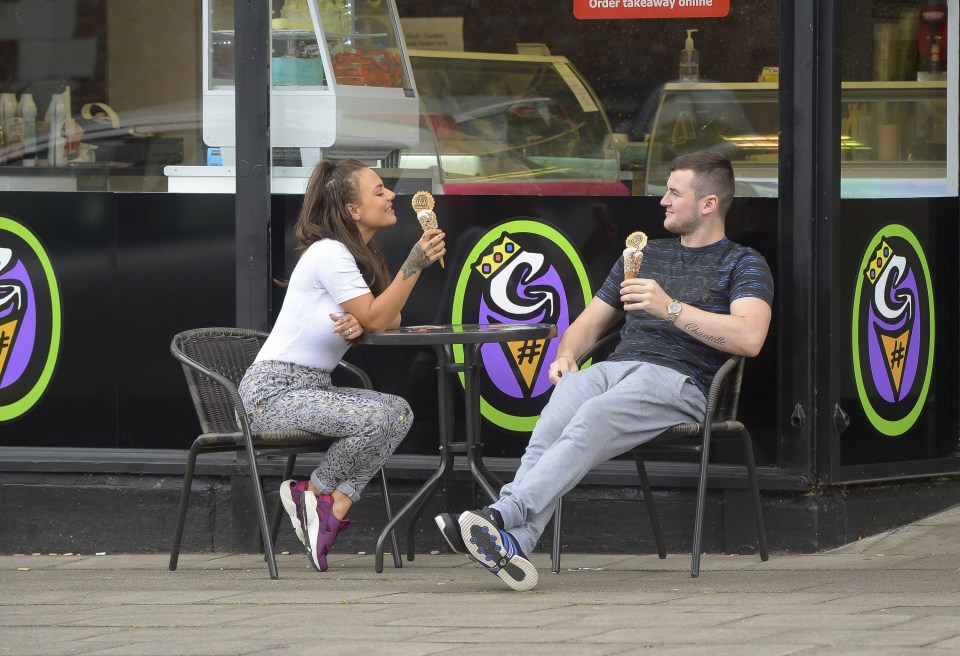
x,y
477,123
340,80
893,143
512,124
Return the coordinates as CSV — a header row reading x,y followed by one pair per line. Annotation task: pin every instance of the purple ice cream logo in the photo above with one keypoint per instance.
x,y
521,271
29,319
893,330
13,313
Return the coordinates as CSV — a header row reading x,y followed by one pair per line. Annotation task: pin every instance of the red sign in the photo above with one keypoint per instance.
x,y
607,9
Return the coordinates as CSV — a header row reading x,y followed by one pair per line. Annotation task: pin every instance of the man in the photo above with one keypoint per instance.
x,y
696,300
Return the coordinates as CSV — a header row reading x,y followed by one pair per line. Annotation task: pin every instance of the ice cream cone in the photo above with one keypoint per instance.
x,y
632,255
632,259
428,221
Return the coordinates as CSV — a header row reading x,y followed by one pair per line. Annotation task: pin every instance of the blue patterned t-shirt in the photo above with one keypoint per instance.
x,y
709,278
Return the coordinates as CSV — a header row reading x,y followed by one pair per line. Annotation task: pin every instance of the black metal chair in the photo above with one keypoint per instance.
x,y
720,420
214,360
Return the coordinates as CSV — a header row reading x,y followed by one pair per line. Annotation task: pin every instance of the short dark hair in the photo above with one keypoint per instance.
x,y
712,174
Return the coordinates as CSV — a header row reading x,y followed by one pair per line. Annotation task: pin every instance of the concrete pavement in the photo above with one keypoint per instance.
x,y
894,593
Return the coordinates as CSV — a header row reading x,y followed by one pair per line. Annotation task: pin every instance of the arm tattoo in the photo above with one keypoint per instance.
x,y
694,330
416,262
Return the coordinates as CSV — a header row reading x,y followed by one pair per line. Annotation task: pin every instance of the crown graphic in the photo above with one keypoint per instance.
x,y
884,252
497,256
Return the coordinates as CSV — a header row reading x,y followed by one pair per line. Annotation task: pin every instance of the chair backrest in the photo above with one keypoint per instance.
x,y
214,360
724,395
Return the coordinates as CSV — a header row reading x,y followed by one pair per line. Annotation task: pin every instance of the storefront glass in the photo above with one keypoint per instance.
x,y
148,82
898,91
128,83
893,304
142,87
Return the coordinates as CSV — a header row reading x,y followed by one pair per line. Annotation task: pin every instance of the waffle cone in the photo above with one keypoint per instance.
x,y
631,264
428,221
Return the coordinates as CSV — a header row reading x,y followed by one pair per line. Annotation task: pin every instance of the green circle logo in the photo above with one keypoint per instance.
x,y
893,330
520,271
30,319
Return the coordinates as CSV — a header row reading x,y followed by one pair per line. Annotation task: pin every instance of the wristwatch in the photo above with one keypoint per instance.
x,y
673,310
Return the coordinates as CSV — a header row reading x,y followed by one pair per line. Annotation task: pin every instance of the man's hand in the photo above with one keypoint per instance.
x,y
644,294
563,364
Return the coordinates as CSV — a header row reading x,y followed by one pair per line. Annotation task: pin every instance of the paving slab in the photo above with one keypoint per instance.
x,y
894,594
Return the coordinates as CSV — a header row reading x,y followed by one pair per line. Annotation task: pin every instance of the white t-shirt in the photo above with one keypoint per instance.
x,y
326,276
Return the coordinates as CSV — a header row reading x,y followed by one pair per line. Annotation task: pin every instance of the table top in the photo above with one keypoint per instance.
x,y
459,333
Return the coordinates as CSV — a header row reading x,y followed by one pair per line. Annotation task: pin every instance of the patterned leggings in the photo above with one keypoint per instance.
x,y
370,425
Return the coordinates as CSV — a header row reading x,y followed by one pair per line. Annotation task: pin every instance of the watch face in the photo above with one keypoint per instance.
x,y
674,307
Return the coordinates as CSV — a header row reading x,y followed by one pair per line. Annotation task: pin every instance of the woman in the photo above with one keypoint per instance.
x,y
339,288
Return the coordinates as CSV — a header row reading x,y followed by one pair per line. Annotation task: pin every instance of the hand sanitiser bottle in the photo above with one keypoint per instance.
x,y
689,60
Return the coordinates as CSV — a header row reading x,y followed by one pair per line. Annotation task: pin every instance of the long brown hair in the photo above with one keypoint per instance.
x,y
324,215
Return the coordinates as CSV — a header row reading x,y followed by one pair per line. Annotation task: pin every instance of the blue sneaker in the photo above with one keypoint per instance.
x,y
497,550
449,526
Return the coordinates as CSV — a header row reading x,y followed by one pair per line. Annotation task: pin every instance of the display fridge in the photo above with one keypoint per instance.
x,y
341,84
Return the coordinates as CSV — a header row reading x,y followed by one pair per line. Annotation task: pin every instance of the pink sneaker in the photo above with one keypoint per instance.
x,y
290,495
320,528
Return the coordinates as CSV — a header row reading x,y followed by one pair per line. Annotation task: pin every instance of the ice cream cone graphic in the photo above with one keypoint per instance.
x,y
12,307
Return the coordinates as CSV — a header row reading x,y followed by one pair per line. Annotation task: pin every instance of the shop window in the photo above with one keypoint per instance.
x,y
585,118
897,96
118,81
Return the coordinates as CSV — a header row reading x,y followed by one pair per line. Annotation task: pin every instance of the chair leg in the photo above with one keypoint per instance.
x,y
701,499
555,547
755,495
261,510
184,502
278,513
385,488
651,507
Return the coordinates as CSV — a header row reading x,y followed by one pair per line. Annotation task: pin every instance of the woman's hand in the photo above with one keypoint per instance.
x,y
346,325
425,252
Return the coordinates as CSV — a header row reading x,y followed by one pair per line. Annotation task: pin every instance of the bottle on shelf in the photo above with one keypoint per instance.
x,y
689,60
8,106
28,113
14,148
11,145
56,120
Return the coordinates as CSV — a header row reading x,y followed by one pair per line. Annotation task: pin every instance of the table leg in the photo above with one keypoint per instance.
x,y
424,493
413,509
445,428
471,405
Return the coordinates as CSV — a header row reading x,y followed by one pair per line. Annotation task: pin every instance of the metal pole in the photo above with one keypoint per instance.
x,y
252,49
